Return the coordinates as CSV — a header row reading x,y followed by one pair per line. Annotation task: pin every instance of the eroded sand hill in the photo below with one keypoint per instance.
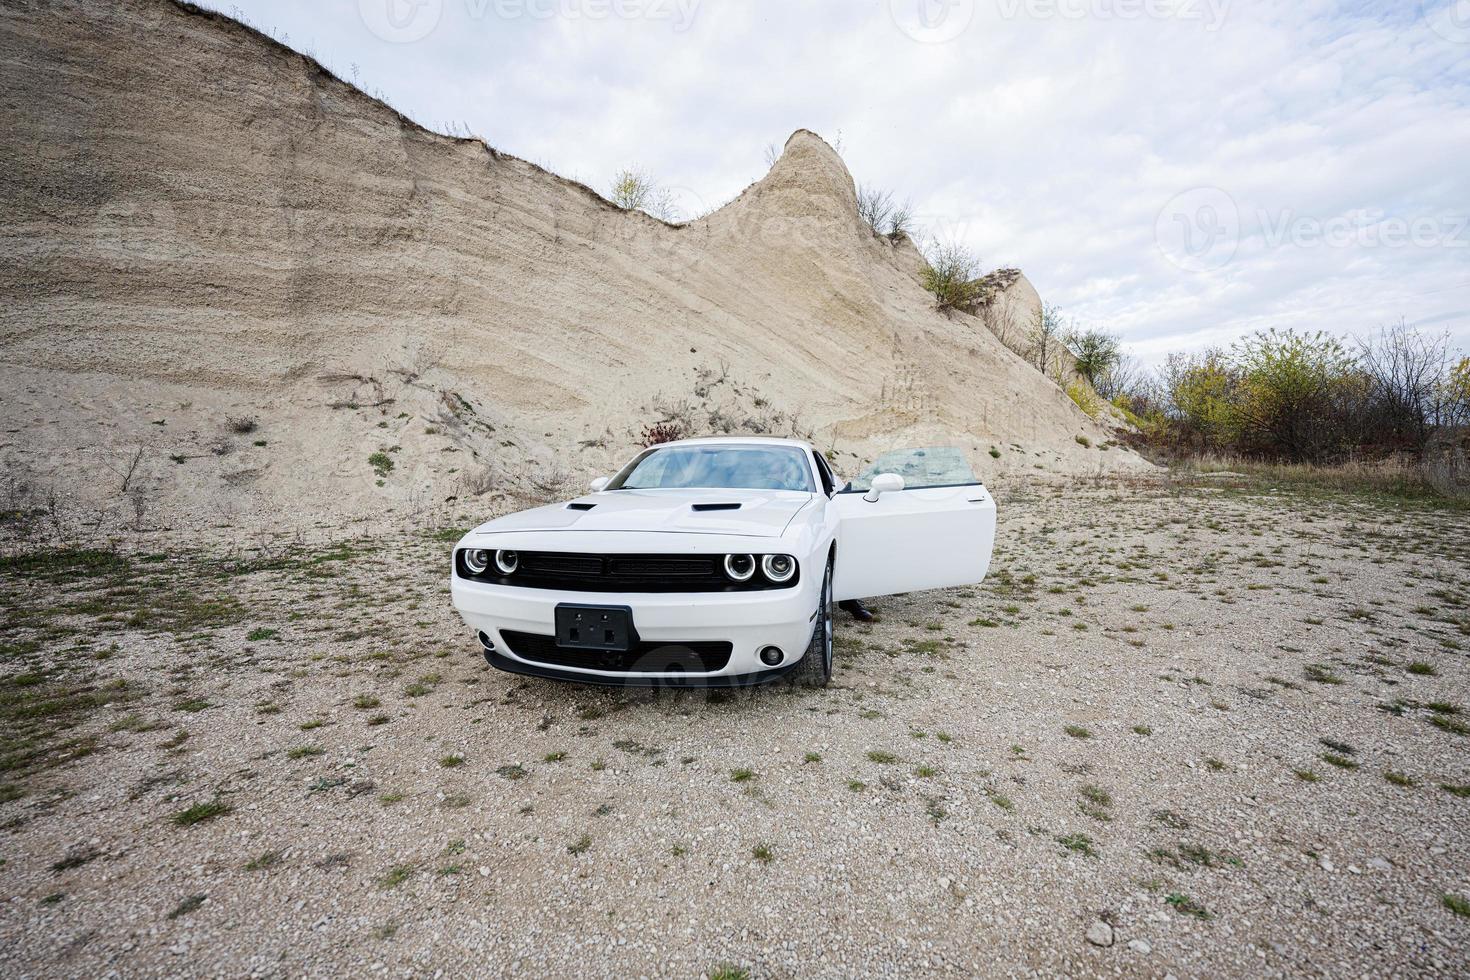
x,y
204,226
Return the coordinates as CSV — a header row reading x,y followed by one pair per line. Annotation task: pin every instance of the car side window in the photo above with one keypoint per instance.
x,y
829,483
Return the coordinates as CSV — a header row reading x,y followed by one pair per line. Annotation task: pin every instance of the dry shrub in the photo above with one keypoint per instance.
x,y
662,432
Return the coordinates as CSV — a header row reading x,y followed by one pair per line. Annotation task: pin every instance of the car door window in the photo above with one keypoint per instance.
x,y
931,466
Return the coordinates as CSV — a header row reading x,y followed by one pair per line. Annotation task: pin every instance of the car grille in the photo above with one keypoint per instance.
x,y
646,657
620,573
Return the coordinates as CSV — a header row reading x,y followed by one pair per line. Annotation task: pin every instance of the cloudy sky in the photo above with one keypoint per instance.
x,y
1178,171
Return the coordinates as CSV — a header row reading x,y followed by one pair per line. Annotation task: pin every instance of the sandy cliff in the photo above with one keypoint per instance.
x,y
204,226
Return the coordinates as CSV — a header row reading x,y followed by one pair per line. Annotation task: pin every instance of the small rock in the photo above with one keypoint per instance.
x,y
1100,934
1379,864
1326,863
1140,946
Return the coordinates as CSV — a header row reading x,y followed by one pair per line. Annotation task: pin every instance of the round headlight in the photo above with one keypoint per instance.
x,y
778,568
506,562
740,568
476,561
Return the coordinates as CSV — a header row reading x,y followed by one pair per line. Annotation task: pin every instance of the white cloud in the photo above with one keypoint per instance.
x,y
1050,138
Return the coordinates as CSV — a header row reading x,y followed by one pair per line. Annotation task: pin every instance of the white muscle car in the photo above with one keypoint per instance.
x,y
715,562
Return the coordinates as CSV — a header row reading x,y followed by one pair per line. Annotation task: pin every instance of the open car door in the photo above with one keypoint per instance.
x,y
936,532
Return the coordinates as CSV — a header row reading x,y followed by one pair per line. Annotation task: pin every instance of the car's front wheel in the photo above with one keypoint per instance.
x,y
815,669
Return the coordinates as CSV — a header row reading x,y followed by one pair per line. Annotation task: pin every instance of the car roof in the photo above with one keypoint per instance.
x,y
739,441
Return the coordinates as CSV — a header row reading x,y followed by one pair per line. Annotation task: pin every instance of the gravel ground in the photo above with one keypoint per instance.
x,y
1201,730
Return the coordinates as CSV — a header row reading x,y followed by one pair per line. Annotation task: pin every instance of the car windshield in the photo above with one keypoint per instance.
x,y
722,467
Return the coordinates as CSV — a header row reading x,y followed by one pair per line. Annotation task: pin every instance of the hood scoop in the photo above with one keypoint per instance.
x,y
703,508
583,507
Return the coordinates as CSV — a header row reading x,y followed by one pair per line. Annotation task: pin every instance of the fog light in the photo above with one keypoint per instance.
x,y
771,656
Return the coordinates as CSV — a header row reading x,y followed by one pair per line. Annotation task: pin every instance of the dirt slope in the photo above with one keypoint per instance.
x,y
203,225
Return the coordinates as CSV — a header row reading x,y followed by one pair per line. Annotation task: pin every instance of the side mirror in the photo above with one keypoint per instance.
x,y
599,484
883,483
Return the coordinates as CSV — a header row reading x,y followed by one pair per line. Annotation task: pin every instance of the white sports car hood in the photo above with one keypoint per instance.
x,y
753,513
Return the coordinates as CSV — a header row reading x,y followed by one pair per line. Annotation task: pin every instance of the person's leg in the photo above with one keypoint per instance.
x,y
859,611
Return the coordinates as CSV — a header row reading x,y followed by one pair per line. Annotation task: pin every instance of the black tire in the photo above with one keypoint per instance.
x,y
815,669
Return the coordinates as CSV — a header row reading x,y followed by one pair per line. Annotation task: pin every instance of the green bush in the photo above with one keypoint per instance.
x,y
951,274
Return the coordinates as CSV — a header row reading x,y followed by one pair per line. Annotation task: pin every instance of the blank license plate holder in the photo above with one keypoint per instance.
x,y
595,628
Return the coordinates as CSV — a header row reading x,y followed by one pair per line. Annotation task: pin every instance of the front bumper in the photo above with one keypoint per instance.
x,y
748,621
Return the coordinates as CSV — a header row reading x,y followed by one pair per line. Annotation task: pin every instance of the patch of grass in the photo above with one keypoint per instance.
x,y
1321,674
187,905
811,757
1400,779
259,635
200,812
1421,668
1142,730
881,757
1000,799
366,702
512,772
76,859
742,775
1457,904
727,971
396,876
1170,819
1340,761
554,757
857,785
763,853
1463,792
1078,844
451,761
262,862
581,845
1451,724
1306,775
305,752
1077,731
1185,905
